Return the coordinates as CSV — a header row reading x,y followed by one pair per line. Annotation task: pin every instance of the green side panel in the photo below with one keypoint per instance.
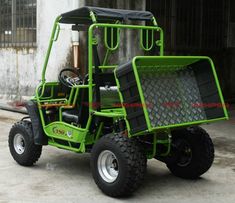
x,y
64,131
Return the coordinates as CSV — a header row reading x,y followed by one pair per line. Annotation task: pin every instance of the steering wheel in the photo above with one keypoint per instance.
x,y
69,77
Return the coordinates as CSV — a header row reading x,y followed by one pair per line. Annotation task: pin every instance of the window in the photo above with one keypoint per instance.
x,y
17,23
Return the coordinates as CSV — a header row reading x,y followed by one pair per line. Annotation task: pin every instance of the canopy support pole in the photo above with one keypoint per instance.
x,y
93,18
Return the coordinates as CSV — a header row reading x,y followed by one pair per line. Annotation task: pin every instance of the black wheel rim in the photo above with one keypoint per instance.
x,y
184,153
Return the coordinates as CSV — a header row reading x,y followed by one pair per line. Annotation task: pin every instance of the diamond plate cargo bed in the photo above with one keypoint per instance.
x,y
170,91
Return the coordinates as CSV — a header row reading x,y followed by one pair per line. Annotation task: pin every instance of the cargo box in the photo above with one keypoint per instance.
x,y
169,91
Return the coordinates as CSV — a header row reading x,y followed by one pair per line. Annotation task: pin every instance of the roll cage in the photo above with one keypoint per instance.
x,y
107,19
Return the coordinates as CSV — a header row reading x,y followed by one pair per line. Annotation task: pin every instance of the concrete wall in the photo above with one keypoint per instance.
x,y
20,69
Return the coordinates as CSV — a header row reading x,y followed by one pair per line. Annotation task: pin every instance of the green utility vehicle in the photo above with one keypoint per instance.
x,y
123,111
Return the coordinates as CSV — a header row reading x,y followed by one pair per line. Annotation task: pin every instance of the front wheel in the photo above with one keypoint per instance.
x,y
21,144
193,151
118,165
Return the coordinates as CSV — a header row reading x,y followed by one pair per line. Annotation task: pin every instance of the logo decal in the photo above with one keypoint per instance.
x,y
69,134
58,131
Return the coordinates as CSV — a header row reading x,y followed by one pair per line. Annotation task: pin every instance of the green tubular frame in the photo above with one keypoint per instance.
x,y
86,137
118,26
70,102
146,47
113,46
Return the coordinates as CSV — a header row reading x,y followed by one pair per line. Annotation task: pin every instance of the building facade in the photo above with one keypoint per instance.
x,y
192,27
25,28
22,52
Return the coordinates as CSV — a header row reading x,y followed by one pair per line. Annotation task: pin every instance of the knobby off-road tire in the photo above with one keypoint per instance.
x,y
196,142
128,165
21,144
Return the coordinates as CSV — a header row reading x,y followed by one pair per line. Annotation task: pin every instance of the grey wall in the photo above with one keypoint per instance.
x,y
20,69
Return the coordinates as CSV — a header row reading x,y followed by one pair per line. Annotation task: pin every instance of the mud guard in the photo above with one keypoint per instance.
x,y
39,136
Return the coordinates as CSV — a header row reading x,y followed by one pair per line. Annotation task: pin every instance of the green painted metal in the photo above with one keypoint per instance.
x,y
184,61
99,132
64,131
174,62
167,143
81,149
107,114
71,133
54,100
113,46
188,124
154,21
146,46
91,43
106,57
152,154
57,32
93,18
108,66
54,37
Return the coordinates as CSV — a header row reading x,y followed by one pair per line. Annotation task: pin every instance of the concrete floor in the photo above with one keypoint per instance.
x,y
61,176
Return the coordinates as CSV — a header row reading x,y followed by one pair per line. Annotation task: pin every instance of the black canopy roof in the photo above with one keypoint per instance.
x,y
82,15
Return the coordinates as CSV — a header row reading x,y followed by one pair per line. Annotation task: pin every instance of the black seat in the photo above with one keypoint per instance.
x,y
107,79
70,116
79,114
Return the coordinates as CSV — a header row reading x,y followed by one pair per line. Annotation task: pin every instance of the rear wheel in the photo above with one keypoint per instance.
x,y
118,165
193,152
21,144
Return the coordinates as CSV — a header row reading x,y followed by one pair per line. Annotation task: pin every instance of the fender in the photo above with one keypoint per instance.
x,y
38,134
